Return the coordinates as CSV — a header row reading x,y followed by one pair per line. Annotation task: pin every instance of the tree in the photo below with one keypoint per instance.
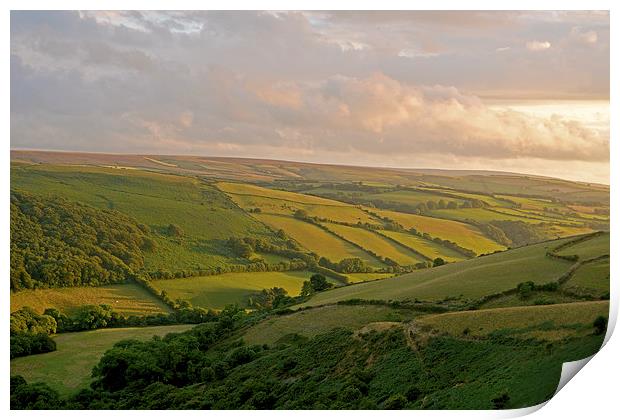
x,y
438,261
525,290
395,402
422,208
319,282
174,230
600,325
301,214
431,205
499,402
452,205
442,204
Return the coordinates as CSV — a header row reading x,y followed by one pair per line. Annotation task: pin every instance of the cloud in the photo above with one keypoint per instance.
x,y
382,88
583,36
538,45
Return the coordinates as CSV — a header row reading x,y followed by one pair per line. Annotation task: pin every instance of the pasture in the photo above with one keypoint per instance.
x,y
464,235
547,317
375,243
215,292
469,279
68,368
205,215
593,247
311,322
317,240
591,277
427,248
128,299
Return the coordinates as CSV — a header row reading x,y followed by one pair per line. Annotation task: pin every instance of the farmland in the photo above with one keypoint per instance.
x,y
220,290
486,321
317,240
204,215
208,233
375,243
425,247
321,320
470,279
127,299
592,276
68,368
464,235
591,248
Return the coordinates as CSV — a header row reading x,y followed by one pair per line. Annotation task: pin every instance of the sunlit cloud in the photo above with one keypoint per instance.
x,y
538,45
387,88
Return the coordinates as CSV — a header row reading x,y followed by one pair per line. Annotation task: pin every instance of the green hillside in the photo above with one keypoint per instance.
x,y
470,279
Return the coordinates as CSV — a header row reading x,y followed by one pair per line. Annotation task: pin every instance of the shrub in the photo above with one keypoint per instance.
x,y
600,325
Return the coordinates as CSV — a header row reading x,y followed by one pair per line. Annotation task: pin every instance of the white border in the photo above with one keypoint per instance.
x,y
591,395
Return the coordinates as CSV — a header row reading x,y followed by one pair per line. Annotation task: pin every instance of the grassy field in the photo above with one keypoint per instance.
x,y
469,279
485,321
593,276
215,292
248,196
427,248
411,197
529,203
68,368
362,277
375,243
465,235
317,240
319,320
205,215
128,299
479,215
599,245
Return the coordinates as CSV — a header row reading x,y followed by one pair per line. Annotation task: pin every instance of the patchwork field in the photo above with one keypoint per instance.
x,y
68,368
594,247
593,276
128,299
375,243
469,279
215,292
249,197
311,322
485,321
479,215
317,240
465,235
205,216
427,248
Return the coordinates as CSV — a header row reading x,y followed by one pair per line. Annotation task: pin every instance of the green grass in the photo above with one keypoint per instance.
x,y
317,240
469,279
479,215
206,216
464,235
320,320
215,292
128,299
361,277
593,276
427,248
375,243
485,321
412,198
248,196
594,247
68,368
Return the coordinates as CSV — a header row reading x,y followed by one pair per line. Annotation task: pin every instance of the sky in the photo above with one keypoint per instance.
x,y
516,91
